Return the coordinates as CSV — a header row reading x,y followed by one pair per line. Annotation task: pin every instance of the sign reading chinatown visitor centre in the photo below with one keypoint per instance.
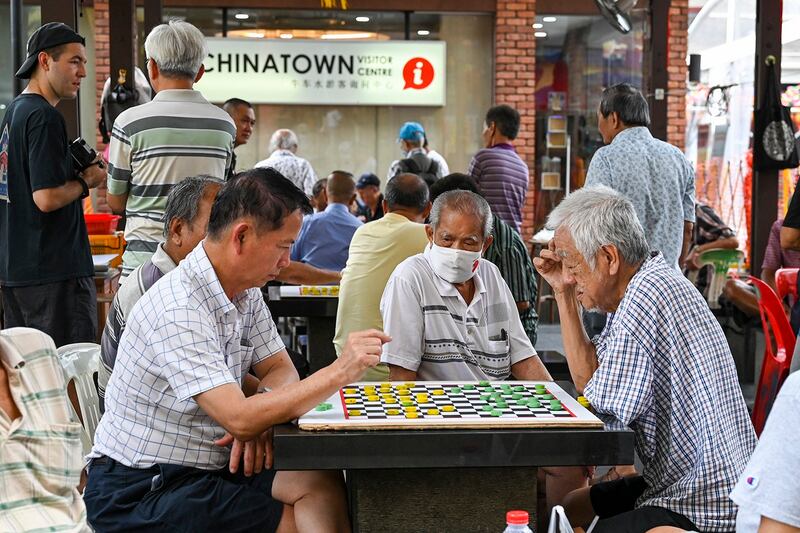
x,y
325,72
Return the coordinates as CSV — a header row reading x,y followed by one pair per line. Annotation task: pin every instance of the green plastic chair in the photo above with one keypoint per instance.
x,y
722,260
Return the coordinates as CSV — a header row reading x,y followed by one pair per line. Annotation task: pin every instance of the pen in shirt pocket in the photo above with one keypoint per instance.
x,y
503,335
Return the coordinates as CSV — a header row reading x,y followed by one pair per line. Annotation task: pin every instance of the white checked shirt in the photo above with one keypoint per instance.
x,y
665,370
183,337
435,333
298,170
40,452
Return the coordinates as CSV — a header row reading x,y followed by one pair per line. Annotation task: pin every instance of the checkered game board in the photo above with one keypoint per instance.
x,y
449,404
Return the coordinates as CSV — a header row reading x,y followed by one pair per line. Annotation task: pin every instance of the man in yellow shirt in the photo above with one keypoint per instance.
x,y
376,249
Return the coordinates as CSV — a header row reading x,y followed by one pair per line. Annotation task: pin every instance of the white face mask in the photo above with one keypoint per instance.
x,y
452,264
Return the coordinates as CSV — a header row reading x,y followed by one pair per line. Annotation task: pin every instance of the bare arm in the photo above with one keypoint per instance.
x,y
773,526
398,373
53,198
531,369
790,238
117,202
580,352
731,243
768,276
247,418
299,273
687,240
276,371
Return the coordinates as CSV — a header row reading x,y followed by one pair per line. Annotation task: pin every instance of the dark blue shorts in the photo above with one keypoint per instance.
x,y
178,498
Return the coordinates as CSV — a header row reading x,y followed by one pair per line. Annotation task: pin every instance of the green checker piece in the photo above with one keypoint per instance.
x,y
469,386
324,407
406,403
540,388
487,408
516,396
534,403
496,413
484,383
555,405
455,391
486,397
548,397
519,388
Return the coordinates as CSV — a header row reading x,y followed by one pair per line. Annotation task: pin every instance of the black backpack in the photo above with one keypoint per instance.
x,y
421,165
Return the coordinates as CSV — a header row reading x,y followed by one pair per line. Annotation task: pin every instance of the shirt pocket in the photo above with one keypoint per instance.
x,y
52,457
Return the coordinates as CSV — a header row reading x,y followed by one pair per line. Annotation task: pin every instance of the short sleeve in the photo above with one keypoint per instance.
x,y
772,255
187,348
599,173
263,335
48,157
119,161
688,193
792,219
519,344
769,485
622,384
401,309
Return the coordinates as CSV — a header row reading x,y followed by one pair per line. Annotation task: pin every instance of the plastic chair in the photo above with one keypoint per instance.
x,y
786,281
80,363
721,259
776,364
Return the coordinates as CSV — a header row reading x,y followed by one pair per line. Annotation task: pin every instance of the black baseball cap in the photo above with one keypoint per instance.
x,y
50,35
368,179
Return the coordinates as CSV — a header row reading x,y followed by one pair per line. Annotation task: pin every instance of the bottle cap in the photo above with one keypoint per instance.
x,y
517,518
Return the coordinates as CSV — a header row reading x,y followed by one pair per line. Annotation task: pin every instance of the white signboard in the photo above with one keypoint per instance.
x,y
282,71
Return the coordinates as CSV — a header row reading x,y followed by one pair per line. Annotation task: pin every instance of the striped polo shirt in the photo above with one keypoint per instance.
x,y
153,147
503,177
40,452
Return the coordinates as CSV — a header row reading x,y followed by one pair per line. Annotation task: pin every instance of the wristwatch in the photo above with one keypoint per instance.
x,y
263,390
85,186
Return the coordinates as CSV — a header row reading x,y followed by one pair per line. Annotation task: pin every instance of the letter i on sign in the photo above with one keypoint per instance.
x,y
418,73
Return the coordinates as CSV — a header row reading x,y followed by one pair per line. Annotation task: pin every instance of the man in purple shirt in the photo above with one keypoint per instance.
x,y
501,173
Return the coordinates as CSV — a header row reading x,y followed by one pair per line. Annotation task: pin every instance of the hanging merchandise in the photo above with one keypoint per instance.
x,y
774,143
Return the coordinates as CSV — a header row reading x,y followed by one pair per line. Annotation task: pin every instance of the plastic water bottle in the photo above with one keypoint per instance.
x,y
517,522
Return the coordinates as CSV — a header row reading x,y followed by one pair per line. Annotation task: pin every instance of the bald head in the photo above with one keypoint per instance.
x,y
407,191
341,187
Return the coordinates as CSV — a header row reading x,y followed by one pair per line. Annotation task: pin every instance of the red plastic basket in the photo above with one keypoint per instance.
x,y
101,223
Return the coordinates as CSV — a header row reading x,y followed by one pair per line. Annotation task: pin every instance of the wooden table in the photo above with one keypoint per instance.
x,y
445,480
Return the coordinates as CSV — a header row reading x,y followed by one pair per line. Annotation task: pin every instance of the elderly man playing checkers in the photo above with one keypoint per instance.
x,y
453,318
661,366
175,399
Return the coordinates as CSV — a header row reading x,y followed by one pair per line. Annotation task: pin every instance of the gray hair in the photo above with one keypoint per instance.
x,y
283,140
465,202
178,48
183,201
627,102
598,215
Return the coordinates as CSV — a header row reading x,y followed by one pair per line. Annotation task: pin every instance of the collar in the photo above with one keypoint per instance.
x,y
445,288
161,260
417,150
280,152
335,207
394,218
199,267
636,132
503,146
9,354
180,95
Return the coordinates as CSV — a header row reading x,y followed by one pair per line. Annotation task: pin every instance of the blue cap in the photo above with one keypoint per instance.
x,y
412,131
368,179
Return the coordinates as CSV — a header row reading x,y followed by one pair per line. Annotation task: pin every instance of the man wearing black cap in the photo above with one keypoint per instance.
x,y
369,191
45,261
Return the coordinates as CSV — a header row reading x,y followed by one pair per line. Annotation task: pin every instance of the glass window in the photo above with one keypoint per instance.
x,y
207,19
315,24
31,19
576,57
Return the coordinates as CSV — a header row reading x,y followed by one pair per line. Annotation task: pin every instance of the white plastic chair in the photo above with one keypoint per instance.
x,y
80,363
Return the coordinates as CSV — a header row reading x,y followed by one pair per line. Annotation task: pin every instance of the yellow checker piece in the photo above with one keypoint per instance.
x,y
412,414
354,412
350,391
350,400
438,392
433,411
373,398
448,408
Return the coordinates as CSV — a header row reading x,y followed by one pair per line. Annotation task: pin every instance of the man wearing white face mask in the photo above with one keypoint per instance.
x,y
449,312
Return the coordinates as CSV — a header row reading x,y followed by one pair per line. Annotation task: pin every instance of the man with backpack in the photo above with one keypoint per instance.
x,y
415,159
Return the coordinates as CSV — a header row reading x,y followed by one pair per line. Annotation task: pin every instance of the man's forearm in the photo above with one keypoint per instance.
x,y
531,369
298,273
53,198
280,377
688,227
580,352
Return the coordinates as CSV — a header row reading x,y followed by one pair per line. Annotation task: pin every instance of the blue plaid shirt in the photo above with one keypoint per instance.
x,y
665,371
183,337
